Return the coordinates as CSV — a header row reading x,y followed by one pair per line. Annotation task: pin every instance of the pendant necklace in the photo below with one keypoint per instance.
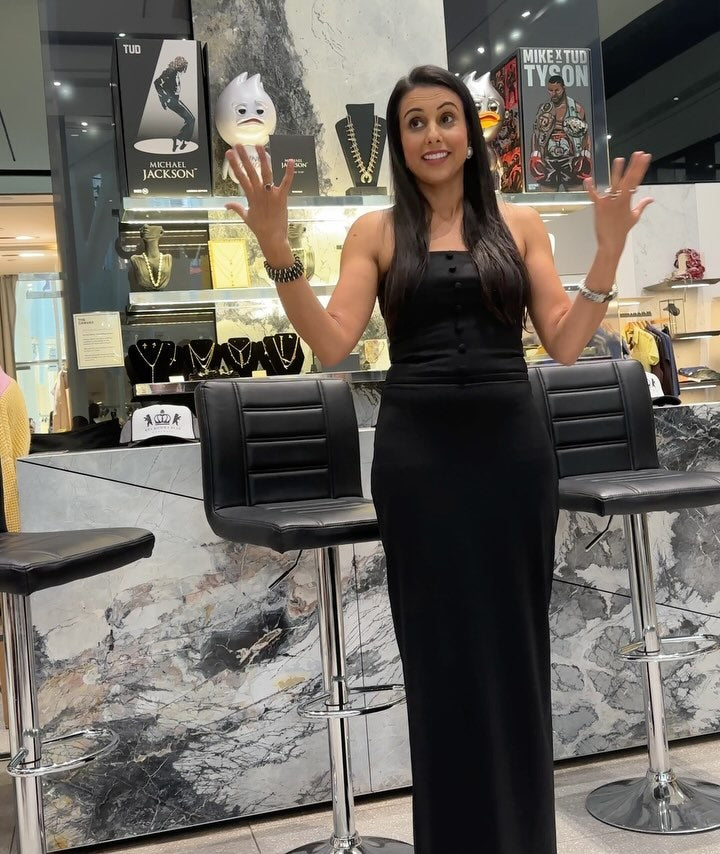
x,y
240,359
203,362
150,364
366,176
280,350
154,282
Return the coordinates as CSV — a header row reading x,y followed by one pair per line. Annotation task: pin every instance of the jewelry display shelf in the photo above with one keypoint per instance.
x,y
211,209
194,300
680,284
189,386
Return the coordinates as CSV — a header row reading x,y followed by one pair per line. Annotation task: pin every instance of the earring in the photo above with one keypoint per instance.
x,y
470,152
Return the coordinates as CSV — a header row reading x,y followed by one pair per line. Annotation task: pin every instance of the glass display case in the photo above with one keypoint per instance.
x,y
218,296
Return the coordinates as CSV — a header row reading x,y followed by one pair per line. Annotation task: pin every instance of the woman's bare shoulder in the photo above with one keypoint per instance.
x,y
375,233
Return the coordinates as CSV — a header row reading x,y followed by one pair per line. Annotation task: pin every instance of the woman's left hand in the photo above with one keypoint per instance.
x,y
614,213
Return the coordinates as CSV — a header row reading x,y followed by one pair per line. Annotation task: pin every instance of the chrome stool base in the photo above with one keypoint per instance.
x,y
366,844
657,803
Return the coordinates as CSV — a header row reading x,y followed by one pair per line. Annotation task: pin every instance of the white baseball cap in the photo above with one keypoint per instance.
x,y
158,423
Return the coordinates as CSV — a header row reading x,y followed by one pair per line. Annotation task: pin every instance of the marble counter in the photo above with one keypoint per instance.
x,y
199,666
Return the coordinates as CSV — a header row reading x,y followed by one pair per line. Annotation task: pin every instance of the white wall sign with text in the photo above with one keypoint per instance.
x,y
98,340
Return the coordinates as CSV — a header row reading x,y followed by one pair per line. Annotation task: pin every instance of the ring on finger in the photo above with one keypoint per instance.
x,y
269,187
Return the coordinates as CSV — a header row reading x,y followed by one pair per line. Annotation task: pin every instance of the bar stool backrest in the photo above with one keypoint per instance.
x,y
268,441
599,416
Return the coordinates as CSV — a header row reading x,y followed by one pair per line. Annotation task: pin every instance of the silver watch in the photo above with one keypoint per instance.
x,y
596,296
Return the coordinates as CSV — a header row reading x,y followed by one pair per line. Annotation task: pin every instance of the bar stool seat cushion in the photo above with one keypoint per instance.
x,y
34,561
310,524
642,491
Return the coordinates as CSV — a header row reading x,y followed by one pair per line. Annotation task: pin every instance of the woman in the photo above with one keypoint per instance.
x,y
14,443
464,477
167,86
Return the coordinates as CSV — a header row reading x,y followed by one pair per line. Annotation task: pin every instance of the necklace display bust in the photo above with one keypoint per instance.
x,y
362,137
202,358
284,353
240,356
151,360
151,269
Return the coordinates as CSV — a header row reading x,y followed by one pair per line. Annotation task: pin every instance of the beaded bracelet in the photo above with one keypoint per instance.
x,y
283,275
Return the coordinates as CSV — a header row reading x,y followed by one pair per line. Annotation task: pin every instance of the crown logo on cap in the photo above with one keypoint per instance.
x,y
162,418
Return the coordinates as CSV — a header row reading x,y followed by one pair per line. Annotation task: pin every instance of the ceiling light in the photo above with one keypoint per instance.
x,y
515,35
83,131
31,254
676,98
84,124
526,14
57,83
481,49
122,35
457,73
608,136
499,47
23,237
74,134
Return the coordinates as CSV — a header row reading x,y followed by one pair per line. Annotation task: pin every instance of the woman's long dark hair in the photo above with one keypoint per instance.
x,y
502,272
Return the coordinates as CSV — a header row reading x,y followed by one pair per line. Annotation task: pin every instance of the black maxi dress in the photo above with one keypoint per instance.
x,y
465,484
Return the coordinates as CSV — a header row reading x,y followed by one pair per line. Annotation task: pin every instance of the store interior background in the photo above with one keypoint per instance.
x,y
661,89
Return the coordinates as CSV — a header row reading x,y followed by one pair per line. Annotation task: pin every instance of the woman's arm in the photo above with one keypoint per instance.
x,y
332,332
565,326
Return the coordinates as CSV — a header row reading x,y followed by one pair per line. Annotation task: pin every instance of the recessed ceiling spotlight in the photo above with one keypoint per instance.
x,y
499,47
676,98
84,130
515,35
57,83
526,14
481,49
74,134
84,124
122,35
609,136
457,73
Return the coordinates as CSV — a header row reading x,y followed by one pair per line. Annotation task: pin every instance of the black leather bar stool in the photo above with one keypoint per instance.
x,y
281,469
28,563
600,418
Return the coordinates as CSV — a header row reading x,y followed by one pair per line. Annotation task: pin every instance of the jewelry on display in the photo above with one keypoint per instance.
x,y
280,350
240,359
154,282
283,275
366,172
202,362
150,364
597,296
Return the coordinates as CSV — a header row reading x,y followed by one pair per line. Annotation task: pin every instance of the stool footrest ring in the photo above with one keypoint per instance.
x,y
17,767
319,707
701,644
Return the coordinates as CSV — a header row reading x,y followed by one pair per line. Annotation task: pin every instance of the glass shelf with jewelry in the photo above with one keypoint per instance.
x,y
196,275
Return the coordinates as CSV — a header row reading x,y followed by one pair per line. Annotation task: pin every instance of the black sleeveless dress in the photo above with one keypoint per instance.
x,y
465,485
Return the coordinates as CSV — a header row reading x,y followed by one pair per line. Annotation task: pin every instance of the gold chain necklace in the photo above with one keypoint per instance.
x,y
240,359
366,172
154,282
203,362
280,350
150,364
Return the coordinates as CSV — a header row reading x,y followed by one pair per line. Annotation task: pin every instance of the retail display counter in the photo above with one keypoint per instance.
x,y
199,666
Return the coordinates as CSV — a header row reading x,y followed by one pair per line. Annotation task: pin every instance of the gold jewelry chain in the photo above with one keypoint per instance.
x,y
281,351
240,359
150,364
202,362
366,176
155,283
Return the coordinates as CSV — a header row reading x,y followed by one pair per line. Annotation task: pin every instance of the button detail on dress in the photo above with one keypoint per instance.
x,y
452,269
461,348
458,285
449,256
458,308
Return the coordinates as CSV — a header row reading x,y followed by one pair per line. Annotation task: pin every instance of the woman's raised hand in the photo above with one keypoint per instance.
x,y
266,214
614,213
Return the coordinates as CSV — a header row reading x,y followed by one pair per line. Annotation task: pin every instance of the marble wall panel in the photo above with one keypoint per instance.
x,y
191,658
314,57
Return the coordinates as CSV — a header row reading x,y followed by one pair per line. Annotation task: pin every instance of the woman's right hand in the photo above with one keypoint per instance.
x,y
266,214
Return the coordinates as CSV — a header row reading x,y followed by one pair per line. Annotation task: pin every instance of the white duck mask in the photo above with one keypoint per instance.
x,y
488,102
244,112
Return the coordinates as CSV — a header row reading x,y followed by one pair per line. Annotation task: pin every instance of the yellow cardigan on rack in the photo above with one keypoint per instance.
x,y
14,443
